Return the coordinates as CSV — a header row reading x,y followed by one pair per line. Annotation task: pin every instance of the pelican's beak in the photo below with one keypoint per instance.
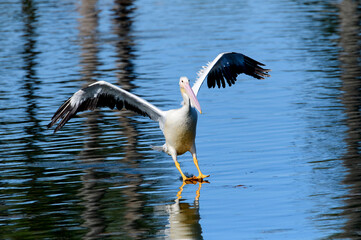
x,y
192,96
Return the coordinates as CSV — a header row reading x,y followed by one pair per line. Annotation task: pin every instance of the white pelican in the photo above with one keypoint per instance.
x,y
178,125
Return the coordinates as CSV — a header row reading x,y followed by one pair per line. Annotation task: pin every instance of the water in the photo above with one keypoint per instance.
x,y
283,153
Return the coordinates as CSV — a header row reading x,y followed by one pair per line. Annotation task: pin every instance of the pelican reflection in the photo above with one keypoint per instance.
x,y
184,216
179,194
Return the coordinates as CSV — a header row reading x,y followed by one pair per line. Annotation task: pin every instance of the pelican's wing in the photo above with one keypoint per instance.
x,y
226,67
103,94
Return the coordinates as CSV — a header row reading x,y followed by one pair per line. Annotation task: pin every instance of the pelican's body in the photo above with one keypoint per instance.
x,y
178,125
180,129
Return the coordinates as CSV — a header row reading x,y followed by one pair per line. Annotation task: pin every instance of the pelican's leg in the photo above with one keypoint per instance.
x,y
201,175
195,160
174,156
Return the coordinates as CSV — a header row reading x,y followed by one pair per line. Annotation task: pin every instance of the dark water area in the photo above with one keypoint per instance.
x,y
283,153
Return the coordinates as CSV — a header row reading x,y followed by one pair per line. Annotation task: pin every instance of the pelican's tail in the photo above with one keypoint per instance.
x,y
158,148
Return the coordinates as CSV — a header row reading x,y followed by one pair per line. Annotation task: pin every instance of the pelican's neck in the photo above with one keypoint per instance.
x,y
186,101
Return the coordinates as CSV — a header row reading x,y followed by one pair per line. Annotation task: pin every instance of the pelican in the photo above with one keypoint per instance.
x,y
178,125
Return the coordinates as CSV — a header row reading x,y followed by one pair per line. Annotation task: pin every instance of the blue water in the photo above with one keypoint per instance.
x,y
283,153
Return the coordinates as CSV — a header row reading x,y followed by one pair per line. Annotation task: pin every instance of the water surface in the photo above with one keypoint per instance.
x,y
283,153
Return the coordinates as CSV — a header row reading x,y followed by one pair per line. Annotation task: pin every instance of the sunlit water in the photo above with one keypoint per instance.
x,y
283,153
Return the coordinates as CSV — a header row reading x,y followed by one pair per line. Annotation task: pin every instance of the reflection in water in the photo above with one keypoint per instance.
x,y
351,71
88,23
123,21
183,217
32,129
131,220
184,221
30,80
134,215
179,194
89,191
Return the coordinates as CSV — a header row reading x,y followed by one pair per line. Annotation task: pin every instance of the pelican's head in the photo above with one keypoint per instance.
x,y
188,93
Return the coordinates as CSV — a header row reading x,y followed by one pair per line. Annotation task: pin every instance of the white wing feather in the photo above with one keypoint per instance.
x,y
203,72
104,94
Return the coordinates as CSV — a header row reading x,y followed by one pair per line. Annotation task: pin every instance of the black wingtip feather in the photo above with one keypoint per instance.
x,y
230,65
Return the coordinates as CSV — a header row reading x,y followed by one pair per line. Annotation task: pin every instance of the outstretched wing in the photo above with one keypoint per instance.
x,y
103,94
226,67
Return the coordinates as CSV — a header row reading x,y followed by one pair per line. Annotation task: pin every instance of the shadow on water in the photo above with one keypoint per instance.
x,y
349,57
